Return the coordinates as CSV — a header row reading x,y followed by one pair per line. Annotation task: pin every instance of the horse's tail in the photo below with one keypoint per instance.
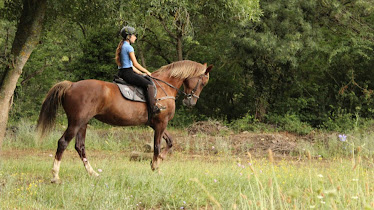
x,y
52,102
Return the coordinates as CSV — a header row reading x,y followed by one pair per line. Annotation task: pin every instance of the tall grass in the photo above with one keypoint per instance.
x,y
206,182
128,139
331,172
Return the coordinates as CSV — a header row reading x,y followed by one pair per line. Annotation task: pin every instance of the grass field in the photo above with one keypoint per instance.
x,y
184,182
212,171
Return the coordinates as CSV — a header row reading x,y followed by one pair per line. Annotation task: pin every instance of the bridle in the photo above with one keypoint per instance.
x,y
192,94
187,95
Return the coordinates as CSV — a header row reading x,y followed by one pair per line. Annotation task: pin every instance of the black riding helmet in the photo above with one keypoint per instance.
x,y
127,30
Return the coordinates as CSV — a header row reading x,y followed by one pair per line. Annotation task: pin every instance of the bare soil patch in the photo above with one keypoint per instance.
x,y
281,143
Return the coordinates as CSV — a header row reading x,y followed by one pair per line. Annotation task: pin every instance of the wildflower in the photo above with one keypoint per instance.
x,y
99,170
323,202
212,147
320,197
312,207
355,197
355,180
342,138
320,175
215,180
184,202
50,155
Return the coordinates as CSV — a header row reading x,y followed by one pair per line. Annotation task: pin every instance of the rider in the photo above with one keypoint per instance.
x,y
125,59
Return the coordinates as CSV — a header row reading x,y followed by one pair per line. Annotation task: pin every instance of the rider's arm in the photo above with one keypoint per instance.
x,y
136,70
137,65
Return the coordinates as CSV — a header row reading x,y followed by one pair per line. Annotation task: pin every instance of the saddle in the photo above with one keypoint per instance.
x,y
132,92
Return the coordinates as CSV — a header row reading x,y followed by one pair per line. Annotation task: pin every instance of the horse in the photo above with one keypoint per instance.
x,y
87,99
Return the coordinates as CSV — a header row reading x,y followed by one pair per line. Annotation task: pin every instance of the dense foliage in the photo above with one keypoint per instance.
x,y
311,60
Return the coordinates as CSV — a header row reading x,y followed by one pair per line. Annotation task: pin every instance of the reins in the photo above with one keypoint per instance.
x,y
189,95
170,85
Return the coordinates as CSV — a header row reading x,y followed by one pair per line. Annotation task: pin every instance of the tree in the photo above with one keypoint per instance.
x,y
302,53
26,39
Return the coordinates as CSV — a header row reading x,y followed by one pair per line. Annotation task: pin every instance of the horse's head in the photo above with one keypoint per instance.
x,y
193,87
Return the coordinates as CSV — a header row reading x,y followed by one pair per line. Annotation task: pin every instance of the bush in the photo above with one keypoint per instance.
x,y
290,123
341,122
183,117
249,123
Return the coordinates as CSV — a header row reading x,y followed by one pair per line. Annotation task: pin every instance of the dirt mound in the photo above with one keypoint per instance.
x,y
279,143
207,127
282,143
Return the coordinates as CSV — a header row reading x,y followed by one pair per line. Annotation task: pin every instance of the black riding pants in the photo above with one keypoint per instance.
x,y
133,78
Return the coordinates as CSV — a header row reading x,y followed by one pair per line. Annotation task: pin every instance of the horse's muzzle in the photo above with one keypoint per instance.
x,y
189,102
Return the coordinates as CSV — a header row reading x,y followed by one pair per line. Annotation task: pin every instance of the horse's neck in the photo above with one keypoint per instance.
x,y
171,80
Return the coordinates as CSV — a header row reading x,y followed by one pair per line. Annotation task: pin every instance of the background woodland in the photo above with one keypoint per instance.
x,y
303,61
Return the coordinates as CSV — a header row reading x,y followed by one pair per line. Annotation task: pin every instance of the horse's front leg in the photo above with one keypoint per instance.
x,y
159,129
169,144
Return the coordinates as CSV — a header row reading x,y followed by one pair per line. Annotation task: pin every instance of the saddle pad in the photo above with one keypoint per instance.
x,y
132,92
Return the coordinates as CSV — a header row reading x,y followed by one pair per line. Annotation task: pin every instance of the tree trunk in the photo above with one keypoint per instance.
x,y
261,108
25,41
179,47
142,58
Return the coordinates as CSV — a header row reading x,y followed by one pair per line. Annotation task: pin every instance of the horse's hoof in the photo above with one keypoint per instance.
x,y
152,166
94,174
55,181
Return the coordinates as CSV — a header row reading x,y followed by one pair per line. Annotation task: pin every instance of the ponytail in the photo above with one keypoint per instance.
x,y
118,53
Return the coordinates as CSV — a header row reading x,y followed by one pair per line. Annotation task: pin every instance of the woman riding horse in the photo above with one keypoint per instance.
x,y
87,99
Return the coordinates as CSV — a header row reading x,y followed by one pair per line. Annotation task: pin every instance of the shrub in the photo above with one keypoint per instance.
x,y
290,123
249,123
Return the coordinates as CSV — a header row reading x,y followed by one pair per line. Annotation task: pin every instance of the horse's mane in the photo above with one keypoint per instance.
x,y
183,69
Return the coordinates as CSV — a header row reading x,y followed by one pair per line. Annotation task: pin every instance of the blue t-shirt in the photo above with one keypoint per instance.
x,y
125,57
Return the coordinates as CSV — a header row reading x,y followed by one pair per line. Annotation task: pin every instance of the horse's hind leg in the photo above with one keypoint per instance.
x,y
169,144
63,142
79,146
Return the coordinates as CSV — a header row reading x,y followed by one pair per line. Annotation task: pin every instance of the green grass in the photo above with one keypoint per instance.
x,y
184,181
337,175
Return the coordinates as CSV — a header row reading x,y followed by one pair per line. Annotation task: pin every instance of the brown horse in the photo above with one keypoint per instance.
x,y
86,99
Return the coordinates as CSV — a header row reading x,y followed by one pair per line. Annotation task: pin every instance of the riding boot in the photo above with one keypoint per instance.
x,y
154,109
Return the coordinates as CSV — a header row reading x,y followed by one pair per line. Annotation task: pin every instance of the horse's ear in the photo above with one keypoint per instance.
x,y
208,69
